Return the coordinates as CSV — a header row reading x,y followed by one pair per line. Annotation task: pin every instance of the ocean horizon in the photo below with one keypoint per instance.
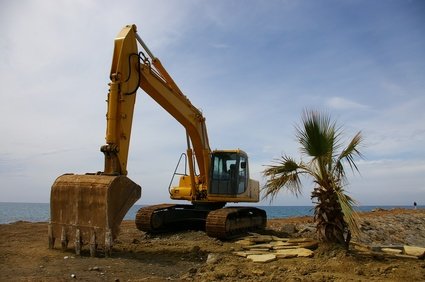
x,y
40,212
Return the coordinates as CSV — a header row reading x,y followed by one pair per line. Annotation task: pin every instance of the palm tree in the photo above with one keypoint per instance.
x,y
320,141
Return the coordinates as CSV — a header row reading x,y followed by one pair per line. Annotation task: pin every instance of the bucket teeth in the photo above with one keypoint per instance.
x,y
108,243
78,242
88,210
51,238
64,239
93,244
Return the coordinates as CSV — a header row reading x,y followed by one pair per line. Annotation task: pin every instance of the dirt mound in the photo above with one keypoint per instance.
x,y
193,256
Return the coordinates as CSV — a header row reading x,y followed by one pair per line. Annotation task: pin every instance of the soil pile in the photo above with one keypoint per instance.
x,y
193,256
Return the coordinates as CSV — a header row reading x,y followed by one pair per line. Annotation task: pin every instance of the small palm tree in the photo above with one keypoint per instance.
x,y
320,141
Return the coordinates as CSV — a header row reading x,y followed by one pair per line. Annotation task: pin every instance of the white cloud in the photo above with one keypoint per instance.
x,y
340,103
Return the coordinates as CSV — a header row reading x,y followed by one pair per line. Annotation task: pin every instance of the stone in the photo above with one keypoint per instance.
x,y
378,209
212,258
359,246
257,238
406,256
281,255
259,246
289,229
414,251
307,229
285,247
300,252
240,254
258,272
391,251
309,245
248,253
275,238
281,243
262,258
299,240
245,242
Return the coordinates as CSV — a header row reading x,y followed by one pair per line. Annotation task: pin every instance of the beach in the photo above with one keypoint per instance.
x,y
193,256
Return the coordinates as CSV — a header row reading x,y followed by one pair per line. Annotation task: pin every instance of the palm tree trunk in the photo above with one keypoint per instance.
x,y
329,218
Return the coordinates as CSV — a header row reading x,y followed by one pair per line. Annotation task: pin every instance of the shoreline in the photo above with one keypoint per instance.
x,y
379,210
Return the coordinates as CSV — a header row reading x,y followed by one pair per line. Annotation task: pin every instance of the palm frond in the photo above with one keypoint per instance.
x,y
285,174
317,135
348,155
351,217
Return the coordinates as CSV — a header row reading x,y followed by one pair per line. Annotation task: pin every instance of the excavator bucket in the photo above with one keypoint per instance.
x,y
88,209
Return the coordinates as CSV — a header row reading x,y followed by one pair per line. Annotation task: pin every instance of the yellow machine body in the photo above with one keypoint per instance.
x,y
88,209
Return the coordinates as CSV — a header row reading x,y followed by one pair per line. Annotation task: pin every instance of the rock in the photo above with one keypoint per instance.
x,y
299,240
280,255
253,252
285,247
359,246
277,243
309,245
406,256
258,272
378,209
281,243
262,258
261,250
289,229
259,246
193,270
212,258
300,252
308,229
257,238
275,238
241,254
196,249
245,242
360,272
391,251
414,251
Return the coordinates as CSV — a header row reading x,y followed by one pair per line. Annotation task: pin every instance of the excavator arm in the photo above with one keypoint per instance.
x,y
131,70
121,101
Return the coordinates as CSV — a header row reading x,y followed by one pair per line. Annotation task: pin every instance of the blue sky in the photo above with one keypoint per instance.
x,y
252,67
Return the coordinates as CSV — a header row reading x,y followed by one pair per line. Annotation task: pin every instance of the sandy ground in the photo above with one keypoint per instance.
x,y
192,256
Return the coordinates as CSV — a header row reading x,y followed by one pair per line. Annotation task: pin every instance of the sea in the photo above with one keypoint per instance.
x,y
40,212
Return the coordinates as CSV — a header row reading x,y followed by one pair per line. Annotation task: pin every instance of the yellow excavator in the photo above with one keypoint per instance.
x,y
88,209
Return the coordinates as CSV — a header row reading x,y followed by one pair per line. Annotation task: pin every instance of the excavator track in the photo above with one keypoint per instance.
x,y
221,223
169,217
229,222
147,218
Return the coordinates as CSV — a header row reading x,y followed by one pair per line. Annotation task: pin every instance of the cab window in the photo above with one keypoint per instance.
x,y
229,173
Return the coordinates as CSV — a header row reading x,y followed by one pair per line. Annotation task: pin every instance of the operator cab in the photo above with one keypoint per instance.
x,y
229,174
